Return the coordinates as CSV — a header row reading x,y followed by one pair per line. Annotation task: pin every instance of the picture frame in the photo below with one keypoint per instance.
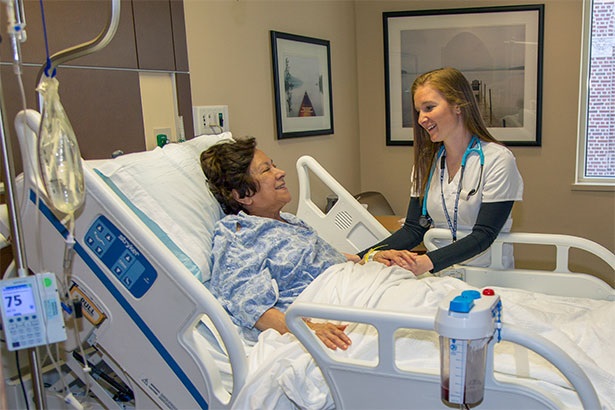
x,y
302,85
498,49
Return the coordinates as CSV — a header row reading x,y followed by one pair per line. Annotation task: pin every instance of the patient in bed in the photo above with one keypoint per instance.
x,y
262,258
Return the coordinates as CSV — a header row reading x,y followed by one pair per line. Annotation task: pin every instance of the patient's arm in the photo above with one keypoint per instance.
x,y
331,335
352,258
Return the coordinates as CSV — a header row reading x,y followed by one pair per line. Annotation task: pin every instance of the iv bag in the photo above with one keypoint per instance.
x,y
58,152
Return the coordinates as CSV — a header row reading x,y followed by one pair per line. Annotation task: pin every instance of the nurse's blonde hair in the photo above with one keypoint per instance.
x,y
456,90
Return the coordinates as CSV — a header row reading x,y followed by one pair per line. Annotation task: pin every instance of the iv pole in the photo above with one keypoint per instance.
x,y
19,253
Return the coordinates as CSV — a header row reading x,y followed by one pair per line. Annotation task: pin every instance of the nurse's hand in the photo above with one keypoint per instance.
x,y
404,259
332,336
422,264
417,264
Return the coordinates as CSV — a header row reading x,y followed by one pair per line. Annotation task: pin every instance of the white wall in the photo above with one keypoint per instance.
x,y
159,106
231,64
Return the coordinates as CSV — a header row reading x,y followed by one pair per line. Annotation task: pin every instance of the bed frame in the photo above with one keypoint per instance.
x,y
149,341
352,229
155,351
395,387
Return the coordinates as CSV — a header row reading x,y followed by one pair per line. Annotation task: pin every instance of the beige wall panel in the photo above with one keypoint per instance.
x,y
230,64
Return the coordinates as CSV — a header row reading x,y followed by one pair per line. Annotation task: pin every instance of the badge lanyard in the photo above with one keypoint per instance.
x,y
424,220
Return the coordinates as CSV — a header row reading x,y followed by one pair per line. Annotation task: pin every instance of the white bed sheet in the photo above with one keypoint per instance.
x,y
283,375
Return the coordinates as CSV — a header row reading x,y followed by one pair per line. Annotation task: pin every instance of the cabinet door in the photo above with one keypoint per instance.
x,y
73,22
103,107
154,34
100,91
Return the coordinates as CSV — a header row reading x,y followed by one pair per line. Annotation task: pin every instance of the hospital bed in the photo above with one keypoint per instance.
x,y
142,246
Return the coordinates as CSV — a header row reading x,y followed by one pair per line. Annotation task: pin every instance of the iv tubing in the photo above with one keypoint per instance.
x,y
19,253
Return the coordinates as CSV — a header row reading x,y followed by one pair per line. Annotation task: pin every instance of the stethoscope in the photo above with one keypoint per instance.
x,y
474,146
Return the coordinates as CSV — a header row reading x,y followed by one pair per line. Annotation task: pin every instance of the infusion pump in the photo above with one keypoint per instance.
x,y
31,311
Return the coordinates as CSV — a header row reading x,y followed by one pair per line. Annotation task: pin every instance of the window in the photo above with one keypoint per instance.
x,y
596,161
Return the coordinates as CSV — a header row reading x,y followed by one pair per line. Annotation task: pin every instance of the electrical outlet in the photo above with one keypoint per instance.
x,y
211,119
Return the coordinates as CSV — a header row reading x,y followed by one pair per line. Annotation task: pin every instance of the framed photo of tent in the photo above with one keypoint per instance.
x,y
498,49
302,85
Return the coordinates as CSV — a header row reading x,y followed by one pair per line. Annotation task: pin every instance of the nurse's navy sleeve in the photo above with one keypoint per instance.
x,y
491,218
409,235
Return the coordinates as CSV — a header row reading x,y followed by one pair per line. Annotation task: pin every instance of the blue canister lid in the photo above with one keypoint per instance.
x,y
461,304
471,294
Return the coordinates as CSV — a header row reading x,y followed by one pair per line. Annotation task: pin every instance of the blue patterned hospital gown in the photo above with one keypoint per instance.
x,y
264,264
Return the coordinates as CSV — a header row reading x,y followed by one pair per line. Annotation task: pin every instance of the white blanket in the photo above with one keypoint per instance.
x,y
283,375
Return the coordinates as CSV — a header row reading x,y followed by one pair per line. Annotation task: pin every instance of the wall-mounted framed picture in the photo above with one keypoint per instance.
x,y
498,49
302,85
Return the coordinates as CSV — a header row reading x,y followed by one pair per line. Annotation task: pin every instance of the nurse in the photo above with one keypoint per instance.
x,y
463,180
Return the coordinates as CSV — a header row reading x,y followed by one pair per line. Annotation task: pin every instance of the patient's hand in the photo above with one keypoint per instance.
x,y
332,336
352,258
417,264
405,259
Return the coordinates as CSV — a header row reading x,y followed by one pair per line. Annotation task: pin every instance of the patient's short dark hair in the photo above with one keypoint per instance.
x,y
227,166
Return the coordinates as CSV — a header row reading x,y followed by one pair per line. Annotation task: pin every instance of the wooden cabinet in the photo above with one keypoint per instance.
x,y
100,92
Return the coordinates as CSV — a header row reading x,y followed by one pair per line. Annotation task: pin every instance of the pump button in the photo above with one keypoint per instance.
x,y
488,292
461,304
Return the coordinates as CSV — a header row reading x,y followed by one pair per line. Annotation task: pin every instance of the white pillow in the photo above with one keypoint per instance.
x,y
168,190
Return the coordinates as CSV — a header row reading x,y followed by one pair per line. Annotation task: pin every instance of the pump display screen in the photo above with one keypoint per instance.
x,y
18,300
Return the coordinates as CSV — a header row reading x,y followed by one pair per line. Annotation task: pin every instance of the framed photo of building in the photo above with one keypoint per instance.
x,y
302,85
498,49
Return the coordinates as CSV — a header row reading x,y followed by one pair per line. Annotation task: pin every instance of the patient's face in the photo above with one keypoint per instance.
x,y
272,194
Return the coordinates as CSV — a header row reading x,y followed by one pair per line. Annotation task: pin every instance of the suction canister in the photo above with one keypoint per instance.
x,y
466,321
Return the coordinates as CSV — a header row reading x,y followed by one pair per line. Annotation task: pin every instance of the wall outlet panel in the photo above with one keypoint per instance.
x,y
211,119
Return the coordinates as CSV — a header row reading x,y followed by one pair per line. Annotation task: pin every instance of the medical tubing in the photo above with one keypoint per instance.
x,y
22,95
56,366
16,26
32,166
20,376
68,265
19,252
48,63
86,368
369,256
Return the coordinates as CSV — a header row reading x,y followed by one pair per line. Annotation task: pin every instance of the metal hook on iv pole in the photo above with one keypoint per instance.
x,y
89,47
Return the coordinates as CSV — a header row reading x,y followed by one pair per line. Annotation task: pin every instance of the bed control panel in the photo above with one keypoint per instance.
x,y
121,256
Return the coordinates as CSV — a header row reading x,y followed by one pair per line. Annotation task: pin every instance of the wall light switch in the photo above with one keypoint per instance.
x,y
211,119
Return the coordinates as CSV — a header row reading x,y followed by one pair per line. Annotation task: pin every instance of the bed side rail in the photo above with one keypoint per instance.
x,y
559,281
348,226
420,388
181,296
